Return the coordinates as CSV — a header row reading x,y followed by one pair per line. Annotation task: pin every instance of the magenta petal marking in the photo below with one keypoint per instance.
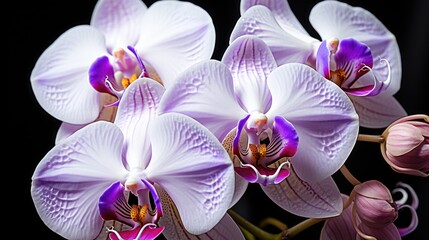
x,y
283,143
99,72
247,173
113,205
323,60
262,175
150,232
353,57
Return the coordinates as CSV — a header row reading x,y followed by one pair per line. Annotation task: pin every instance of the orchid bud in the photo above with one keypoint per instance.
x,y
374,204
406,145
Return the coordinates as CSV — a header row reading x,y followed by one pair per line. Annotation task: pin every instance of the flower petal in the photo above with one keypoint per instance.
x,y
176,35
377,111
322,115
66,130
146,232
389,232
286,46
194,169
250,61
60,77
340,227
114,206
226,228
205,92
281,11
69,180
136,111
312,200
337,19
120,21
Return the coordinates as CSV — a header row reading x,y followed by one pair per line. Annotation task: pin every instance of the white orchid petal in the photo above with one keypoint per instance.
x,y
377,111
60,77
194,169
312,200
120,21
205,92
321,113
69,180
176,35
136,111
250,61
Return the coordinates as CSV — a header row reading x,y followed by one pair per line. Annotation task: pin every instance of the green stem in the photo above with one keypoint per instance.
x,y
247,234
273,222
349,176
370,138
256,231
293,231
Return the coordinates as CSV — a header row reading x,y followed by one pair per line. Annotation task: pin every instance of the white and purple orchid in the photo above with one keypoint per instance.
x,y
85,179
357,51
169,36
279,118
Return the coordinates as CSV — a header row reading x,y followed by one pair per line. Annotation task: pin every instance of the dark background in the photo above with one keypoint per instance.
x,y
34,25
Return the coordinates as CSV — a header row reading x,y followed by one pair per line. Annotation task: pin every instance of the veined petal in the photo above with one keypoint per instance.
x,y
120,21
205,92
193,168
60,77
136,111
145,232
226,228
337,19
377,111
389,232
66,130
312,200
250,61
114,206
69,180
176,35
340,227
286,46
281,11
322,115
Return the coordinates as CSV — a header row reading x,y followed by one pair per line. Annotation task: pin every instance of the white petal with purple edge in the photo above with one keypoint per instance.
x,y
336,19
321,113
378,111
192,166
120,21
285,46
250,61
69,180
60,77
226,229
136,111
281,11
205,92
312,200
176,35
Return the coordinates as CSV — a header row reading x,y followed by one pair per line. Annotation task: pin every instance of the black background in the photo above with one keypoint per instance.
x,y
30,131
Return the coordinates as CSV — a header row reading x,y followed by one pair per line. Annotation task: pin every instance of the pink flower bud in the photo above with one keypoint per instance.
x,y
374,204
406,148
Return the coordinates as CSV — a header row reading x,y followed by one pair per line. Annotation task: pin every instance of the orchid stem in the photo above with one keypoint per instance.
x,y
349,176
370,138
247,234
273,222
254,230
293,231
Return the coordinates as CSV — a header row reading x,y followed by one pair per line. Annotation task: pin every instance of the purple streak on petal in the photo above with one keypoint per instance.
x,y
236,148
247,173
283,143
113,205
323,60
354,58
139,60
155,196
100,70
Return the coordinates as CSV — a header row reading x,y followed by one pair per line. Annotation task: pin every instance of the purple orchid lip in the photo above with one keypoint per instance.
x,y
255,158
99,73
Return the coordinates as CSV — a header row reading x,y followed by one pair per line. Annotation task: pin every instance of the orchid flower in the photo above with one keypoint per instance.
x,y
279,117
86,178
168,36
356,51
368,213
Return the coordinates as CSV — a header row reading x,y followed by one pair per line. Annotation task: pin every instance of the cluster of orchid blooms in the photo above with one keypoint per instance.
x,y
160,137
